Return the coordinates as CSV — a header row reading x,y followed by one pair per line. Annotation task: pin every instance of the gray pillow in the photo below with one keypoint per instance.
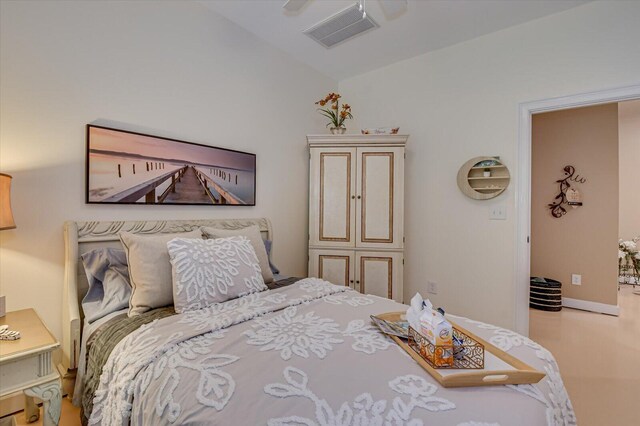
x,y
274,269
253,234
206,272
108,276
150,269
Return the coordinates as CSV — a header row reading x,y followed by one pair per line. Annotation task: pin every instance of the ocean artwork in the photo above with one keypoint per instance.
x,y
133,168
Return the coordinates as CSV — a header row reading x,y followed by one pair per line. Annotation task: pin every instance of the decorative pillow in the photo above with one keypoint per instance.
x,y
206,272
253,234
274,268
109,288
150,269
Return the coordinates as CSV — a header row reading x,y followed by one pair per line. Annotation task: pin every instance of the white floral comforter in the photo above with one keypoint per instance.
x,y
306,355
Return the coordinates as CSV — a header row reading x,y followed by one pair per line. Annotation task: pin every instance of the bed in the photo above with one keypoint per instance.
x,y
303,352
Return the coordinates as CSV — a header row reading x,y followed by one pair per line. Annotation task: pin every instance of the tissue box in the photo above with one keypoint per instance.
x,y
436,355
436,328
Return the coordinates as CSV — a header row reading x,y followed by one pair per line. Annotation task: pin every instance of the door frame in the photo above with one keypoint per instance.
x,y
523,182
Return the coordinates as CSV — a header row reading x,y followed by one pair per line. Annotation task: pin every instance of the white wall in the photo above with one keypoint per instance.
x,y
173,69
629,152
462,102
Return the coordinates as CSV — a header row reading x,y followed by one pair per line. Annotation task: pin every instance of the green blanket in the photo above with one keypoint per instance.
x,y
102,343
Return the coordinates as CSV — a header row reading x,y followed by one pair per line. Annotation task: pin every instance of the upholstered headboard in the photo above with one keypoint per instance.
x,y
81,237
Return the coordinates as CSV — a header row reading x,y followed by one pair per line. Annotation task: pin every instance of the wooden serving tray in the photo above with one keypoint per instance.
x,y
520,373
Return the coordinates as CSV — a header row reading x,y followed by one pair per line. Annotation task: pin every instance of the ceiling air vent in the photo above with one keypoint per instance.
x,y
341,26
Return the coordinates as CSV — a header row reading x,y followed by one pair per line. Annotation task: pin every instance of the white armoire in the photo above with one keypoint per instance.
x,y
356,211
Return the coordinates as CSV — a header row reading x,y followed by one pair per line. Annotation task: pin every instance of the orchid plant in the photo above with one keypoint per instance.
x,y
334,112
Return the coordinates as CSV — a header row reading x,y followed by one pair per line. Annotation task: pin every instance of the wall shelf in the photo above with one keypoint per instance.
x,y
490,189
474,184
489,167
487,178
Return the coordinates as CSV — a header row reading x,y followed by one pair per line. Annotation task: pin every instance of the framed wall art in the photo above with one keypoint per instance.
x,y
124,167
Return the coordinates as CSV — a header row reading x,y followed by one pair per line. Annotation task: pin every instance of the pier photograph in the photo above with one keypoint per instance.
x,y
129,168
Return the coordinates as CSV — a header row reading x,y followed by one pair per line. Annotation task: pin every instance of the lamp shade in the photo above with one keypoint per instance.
x,y
6,216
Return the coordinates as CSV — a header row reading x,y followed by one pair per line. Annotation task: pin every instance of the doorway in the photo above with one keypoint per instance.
x,y
596,353
523,183
575,208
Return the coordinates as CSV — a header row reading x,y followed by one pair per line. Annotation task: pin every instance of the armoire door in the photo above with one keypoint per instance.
x,y
380,273
335,266
380,197
332,197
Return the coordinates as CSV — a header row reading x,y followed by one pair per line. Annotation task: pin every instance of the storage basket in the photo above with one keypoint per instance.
x,y
469,355
545,294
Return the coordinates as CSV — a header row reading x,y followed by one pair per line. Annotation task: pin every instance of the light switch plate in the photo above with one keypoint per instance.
x,y
498,212
432,287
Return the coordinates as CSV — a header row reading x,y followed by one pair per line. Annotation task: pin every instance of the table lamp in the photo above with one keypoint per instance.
x,y
6,218
6,215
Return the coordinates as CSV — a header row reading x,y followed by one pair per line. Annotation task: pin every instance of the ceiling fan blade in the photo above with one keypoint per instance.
x,y
294,5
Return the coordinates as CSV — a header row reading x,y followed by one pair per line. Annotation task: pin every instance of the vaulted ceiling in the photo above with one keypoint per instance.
x,y
418,27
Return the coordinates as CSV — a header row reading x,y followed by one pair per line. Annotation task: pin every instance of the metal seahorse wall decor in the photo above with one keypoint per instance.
x,y
570,175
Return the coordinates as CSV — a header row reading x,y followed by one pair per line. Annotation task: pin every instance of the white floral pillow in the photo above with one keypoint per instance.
x,y
206,272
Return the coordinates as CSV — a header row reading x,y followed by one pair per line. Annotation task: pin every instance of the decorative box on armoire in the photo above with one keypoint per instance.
x,y
356,211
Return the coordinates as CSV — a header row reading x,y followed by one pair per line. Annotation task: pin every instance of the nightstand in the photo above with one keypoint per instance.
x,y
26,365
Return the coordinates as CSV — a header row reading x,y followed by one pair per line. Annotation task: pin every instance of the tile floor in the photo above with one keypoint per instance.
x,y
599,359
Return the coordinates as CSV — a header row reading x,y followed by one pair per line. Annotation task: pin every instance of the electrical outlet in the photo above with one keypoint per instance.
x,y
498,212
432,287
576,279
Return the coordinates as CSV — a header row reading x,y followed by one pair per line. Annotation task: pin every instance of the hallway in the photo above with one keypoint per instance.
x,y
599,359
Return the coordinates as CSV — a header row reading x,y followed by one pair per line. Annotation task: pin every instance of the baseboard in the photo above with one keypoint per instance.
x,y
585,305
